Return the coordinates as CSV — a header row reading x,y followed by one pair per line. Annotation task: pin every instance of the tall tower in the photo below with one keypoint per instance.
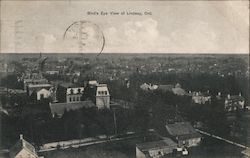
x,y
102,96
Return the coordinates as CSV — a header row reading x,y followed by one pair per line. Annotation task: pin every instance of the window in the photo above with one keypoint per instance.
x,y
79,90
41,96
106,92
71,91
74,99
70,99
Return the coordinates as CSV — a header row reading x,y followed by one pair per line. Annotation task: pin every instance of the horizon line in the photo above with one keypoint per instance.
x,y
126,53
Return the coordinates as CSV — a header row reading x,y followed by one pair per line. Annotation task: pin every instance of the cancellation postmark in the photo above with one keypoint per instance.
x,y
84,37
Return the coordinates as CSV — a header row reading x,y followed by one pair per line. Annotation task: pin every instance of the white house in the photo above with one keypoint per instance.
x,y
234,102
148,87
23,149
43,93
39,91
200,98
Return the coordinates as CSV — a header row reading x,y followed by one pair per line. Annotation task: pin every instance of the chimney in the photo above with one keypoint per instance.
x,y
240,94
21,137
228,96
219,93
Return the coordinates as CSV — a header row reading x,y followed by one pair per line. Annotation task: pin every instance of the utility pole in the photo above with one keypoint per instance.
x,y
115,125
176,106
7,84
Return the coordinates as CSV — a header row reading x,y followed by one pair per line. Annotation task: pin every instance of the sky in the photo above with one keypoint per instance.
x,y
172,26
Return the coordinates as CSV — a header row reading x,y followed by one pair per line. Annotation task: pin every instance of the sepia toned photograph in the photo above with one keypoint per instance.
x,y
124,79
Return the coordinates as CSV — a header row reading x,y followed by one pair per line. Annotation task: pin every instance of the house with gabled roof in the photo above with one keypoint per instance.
x,y
155,149
39,91
23,149
184,134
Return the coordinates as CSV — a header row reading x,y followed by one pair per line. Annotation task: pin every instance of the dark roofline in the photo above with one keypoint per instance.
x,y
155,145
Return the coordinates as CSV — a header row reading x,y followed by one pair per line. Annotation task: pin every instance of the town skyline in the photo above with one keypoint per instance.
x,y
133,104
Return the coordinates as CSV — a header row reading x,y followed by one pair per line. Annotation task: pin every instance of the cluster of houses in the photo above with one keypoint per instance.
x,y
201,98
68,96
180,137
176,89
232,102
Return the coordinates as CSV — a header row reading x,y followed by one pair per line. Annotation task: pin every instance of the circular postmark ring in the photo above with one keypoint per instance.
x,y
85,34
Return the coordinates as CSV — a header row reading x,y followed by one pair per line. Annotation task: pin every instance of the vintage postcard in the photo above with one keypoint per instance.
x,y
124,79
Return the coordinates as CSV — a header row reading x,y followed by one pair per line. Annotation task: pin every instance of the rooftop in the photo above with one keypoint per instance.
x,y
39,85
75,90
59,108
246,152
66,84
168,87
236,98
179,91
182,129
35,80
101,89
22,144
156,144
93,82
